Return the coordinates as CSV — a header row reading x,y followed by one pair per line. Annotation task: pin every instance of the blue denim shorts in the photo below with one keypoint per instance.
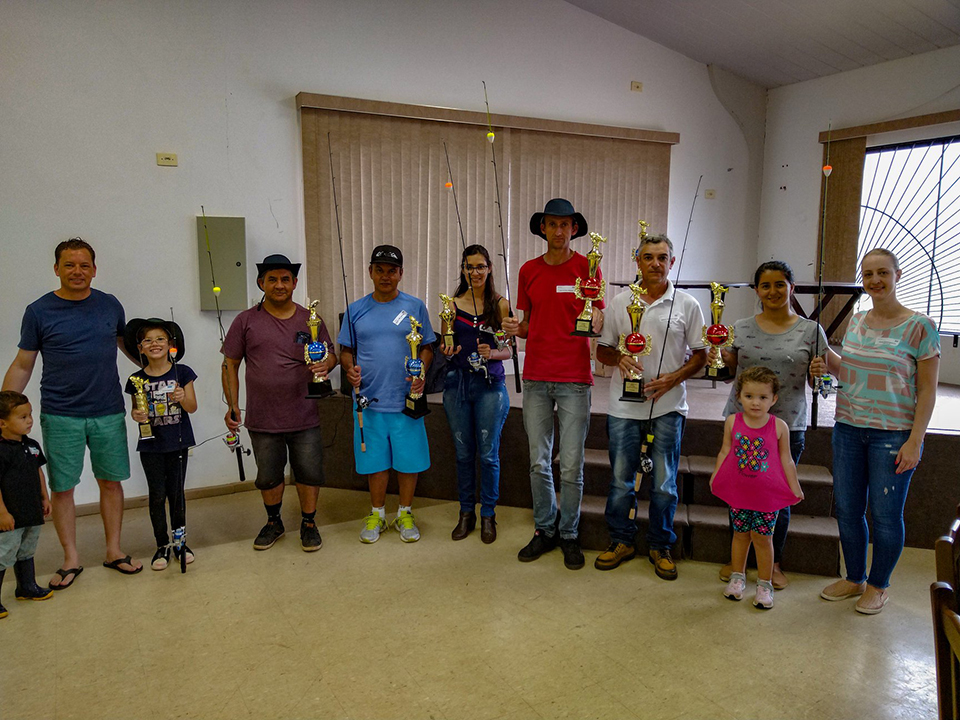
x,y
393,440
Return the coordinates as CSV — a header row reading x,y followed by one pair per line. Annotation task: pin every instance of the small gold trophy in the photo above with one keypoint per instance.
x,y
447,316
634,344
590,289
313,352
718,335
416,404
140,398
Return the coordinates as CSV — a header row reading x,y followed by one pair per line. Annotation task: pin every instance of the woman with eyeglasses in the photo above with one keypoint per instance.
x,y
474,393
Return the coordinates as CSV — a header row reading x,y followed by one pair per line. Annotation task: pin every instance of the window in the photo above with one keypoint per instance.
x,y
910,204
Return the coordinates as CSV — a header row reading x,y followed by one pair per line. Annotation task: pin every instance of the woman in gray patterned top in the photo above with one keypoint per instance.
x,y
778,338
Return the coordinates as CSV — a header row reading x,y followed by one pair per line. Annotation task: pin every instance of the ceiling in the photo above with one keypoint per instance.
x,y
773,42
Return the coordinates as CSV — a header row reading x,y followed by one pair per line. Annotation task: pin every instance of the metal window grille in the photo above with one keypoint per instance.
x,y
911,205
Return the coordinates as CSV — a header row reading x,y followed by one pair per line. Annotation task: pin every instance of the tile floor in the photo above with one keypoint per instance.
x,y
442,630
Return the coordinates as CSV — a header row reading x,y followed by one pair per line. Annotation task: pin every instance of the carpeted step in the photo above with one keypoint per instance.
x,y
813,543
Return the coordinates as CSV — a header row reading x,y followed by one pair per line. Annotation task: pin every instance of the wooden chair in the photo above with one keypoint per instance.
x,y
947,551
946,634
945,600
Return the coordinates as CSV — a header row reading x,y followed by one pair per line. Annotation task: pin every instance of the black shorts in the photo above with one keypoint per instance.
x,y
306,457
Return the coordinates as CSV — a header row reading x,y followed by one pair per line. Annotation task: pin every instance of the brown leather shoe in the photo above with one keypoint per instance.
x,y
617,553
663,564
468,521
488,528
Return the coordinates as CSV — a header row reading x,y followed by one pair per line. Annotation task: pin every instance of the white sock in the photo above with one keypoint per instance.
x,y
402,508
382,512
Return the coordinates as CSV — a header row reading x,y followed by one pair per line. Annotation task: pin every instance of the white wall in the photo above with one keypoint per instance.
x,y
796,114
91,91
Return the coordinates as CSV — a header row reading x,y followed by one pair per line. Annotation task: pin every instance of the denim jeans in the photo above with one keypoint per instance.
x,y
864,470
572,402
476,411
626,436
797,443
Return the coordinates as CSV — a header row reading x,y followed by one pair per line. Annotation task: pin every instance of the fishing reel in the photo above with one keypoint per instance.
x,y
232,441
363,402
825,385
478,364
179,542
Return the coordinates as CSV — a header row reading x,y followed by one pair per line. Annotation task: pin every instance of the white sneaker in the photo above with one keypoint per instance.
x,y
764,597
373,525
734,588
407,526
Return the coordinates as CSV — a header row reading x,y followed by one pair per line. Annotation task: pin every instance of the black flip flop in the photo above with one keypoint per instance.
x,y
125,560
63,576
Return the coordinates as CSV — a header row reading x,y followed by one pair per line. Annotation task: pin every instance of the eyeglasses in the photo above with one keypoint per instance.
x,y
475,268
154,341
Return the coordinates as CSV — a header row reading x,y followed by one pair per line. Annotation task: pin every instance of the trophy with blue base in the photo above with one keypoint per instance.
x,y
415,404
316,351
635,345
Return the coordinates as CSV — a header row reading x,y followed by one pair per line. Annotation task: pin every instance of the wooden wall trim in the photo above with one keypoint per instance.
x,y
467,117
939,118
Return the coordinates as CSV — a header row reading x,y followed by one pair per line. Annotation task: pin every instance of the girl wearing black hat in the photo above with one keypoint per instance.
x,y
170,395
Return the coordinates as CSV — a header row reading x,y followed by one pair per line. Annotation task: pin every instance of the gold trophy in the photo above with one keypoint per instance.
x,y
589,289
718,335
447,316
313,352
416,404
140,398
634,344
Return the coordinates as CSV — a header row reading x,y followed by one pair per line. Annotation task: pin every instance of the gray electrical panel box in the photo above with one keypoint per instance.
x,y
228,250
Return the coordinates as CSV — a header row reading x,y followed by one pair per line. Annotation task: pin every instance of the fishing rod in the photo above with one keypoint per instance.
x,y
362,401
823,384
180,533
491,137
232,438
476,362
646,462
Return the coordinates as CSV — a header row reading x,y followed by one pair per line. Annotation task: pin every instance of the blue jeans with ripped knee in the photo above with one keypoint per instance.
x,y
864,471
476,410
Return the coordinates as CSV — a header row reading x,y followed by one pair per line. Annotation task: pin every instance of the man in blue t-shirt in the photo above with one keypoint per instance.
x,y
373,337
77,330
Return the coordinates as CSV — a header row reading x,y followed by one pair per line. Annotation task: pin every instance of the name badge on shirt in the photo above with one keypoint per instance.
x,y
889,341
565,288
400,316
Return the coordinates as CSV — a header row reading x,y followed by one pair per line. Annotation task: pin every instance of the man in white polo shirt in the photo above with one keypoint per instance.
x,y
629,422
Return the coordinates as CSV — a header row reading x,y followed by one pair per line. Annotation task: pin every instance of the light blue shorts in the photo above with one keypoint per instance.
x,y
18,544
393,440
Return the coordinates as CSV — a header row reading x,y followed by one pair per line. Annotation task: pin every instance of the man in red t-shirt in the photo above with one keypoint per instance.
x,y
556,373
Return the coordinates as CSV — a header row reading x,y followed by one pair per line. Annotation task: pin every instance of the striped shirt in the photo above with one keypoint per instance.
x,y
878,371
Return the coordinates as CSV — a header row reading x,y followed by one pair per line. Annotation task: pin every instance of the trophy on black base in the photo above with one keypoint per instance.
x,y
718,335
447,317
313,352
634,344
140,398
589,289
415,404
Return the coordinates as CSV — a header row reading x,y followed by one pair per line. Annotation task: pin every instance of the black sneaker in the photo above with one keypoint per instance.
x,y
541,543
188,553
310,539
161,558
572,555
3,612
270,533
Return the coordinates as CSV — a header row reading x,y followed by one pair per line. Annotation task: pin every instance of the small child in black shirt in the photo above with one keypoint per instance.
x,y
23,496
